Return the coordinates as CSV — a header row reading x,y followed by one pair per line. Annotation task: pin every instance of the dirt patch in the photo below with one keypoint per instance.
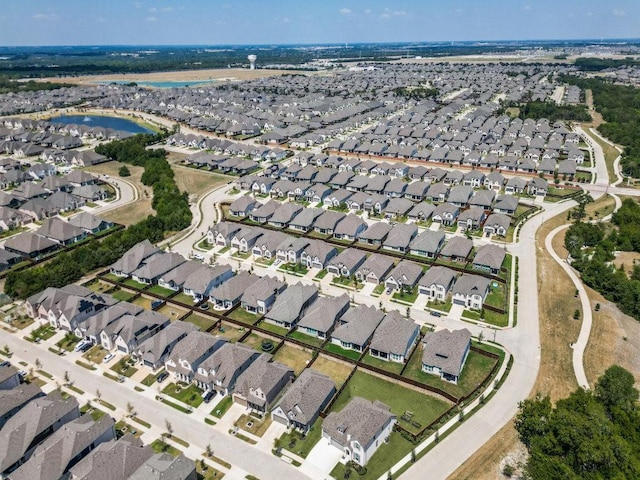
x,y
626,259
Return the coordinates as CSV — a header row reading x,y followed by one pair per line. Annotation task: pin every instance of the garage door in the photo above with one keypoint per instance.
x,y
457,301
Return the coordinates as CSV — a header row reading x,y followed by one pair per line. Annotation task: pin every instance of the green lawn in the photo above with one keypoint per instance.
x,y
400,399
222,407
407,297
475,370
377,291
393,367
440,306
159,446
241,315
294,357
494,318
183,298
333,348
122,295
124,367
191,395
497,295
43,332
295,268
151,378
163,292
95,354
274,328
132,283
346,282
229,331
296,443
308,339
68,342
321,274
203,323
385,457
255,341
112,277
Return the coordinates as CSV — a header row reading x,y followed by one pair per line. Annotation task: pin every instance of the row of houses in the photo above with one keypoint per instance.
x,y
45,437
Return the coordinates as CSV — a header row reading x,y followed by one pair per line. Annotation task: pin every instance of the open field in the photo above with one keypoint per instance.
x,y
179,76
626,259
197,182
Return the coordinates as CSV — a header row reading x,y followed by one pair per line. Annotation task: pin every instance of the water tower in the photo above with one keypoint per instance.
x,y
252,61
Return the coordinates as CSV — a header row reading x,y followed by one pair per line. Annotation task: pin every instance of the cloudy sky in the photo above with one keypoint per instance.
x,y
215,22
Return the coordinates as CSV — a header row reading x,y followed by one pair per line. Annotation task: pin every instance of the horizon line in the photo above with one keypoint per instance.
x,y
400,42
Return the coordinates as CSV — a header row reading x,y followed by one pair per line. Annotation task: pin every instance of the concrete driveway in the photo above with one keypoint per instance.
x,y
321,459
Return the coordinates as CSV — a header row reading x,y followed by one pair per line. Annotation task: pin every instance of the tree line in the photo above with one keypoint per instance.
x,y
589,435
620,108
592,248
172,214
553,112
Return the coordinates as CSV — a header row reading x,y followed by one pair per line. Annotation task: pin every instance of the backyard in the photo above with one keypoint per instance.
x,y
203,323
393,367
476,369
295,358
255,340
308,339
122,295
423,408
241,315
337,371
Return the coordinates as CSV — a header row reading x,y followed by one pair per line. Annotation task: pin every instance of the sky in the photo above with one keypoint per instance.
x,y
225,22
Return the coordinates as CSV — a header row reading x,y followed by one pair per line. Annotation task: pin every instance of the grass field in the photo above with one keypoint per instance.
x,y
333,348
124,367
392,367
293,357
230,331
241,315
122,295
308,339
95,354
191,395
172,311
158,290
254,341
196,182
142,301
258,427
337,371
400,399
475,370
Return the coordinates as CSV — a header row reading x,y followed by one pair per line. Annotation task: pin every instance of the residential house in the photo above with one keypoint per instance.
x,y
404,276
267,244
375,268
322,315
497,224
245,238
317,254
303,401
200,283
436,283
515,186
221,369
60,231
400,237
13,399
416,191
446,214
134,258
394,338
398,207
154,351
421,212
263,213
291,250
72,441
326,223
112,460
359,429
174,279
190,352
32,424
156,266
457,249
375,234
506,204
460,195
346,263
291,305
489,258
260,297
261,383
537,186
90,223
427,244
126,333
305,219
471,291
242,206
445,353
222,233
228,294
30,245
471,218
349,228
284,214
356,328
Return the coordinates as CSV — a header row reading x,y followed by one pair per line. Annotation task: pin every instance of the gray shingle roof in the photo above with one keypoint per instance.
x,y
306,396
163,466
358,325
324,312
359,420
490,255
289,305
264,375
394,334
445,349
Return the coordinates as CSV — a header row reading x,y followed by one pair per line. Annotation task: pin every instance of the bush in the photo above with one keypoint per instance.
x,y
124,171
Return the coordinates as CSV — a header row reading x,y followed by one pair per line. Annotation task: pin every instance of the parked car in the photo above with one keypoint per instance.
x,y
389,290
107,358
80,345
86,347
162,377
198,256
210,395
435,314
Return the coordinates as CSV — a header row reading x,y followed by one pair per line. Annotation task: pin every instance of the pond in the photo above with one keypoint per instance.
x,y
116,123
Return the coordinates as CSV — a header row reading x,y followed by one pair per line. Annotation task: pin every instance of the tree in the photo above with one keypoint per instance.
x,y
38,363
168,427
124,171
209,451
66,377
615,389
98,394
532,418
130,408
